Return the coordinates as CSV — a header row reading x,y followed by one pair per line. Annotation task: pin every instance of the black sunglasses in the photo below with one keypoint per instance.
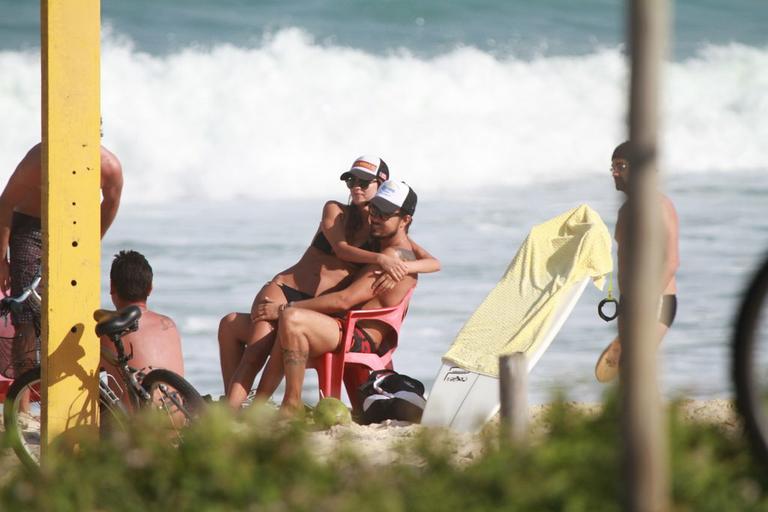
x,y
357,182
376,213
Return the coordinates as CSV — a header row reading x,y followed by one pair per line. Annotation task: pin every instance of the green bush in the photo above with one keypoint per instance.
x,y
253,463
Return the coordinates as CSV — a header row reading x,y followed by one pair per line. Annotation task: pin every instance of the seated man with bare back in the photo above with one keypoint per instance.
x,y
156,343
607,367
311,327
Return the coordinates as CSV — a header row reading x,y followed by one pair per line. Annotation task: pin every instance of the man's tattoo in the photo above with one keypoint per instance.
x,y
166,323
406,255
295,357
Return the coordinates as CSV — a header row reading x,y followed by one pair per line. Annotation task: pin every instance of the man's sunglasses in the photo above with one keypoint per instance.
x,y
356,182
376,213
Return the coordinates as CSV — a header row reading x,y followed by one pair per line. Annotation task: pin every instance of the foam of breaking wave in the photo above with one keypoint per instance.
x,y
282,119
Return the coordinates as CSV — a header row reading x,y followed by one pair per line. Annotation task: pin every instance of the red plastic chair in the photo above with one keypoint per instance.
x,y
4,385
7,331
354,367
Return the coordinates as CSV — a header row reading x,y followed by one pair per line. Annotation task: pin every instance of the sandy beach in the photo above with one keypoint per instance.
x,y
379,443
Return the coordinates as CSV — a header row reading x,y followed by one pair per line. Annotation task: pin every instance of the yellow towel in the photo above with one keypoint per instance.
x,y
512,318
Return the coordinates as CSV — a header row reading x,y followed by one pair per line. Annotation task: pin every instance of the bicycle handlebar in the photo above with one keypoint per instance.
x,y
29,290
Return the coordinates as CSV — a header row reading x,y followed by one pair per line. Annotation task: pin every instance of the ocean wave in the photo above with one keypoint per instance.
x,y
281,120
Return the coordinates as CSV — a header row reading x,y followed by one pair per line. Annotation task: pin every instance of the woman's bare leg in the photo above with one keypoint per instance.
x,y
272,375
233,329
253,360
237,331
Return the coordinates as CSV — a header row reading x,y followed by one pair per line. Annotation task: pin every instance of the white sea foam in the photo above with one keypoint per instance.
x,y
282,119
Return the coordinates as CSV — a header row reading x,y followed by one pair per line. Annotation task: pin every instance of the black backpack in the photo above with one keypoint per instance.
x,y
388,395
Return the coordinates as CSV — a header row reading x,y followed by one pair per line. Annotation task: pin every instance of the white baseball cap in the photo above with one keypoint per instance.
x,y
393,195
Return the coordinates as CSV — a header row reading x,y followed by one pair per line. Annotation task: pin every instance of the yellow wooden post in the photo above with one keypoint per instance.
x,y
71,221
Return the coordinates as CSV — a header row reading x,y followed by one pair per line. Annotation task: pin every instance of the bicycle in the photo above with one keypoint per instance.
x,y
158,389
750,360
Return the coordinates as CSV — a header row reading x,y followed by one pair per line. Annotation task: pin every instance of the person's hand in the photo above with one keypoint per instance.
x,y
267,310
394,266
5,276
383,283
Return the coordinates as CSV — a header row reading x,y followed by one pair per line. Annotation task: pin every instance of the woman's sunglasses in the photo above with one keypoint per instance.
x,y
356,182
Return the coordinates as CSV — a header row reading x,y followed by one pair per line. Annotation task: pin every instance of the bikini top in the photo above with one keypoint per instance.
x,y
321,243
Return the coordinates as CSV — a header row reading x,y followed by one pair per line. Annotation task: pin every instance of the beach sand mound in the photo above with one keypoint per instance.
x,y
380,443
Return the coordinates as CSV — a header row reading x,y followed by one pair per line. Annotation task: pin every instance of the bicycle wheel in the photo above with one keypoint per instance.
x,y
750,361
172,395
21,417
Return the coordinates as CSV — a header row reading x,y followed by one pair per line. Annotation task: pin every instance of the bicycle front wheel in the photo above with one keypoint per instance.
x,y
750,361
173,396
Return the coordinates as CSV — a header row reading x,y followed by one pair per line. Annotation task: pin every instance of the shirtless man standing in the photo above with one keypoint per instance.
x,y
21,231
310,327
607,367
156,343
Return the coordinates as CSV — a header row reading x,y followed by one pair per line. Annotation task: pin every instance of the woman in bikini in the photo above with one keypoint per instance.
x,y
340,246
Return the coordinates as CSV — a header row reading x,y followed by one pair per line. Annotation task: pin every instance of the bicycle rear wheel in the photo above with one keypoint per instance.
x,y
750,361
173,396
21,416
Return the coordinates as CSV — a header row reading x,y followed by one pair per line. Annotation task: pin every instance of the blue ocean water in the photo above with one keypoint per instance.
x,y
233,119
426,28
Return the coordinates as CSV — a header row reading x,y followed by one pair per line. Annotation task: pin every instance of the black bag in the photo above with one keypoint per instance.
x,y
388,395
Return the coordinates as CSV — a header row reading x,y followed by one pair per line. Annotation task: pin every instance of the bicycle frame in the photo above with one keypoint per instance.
x,y
135,390
9,305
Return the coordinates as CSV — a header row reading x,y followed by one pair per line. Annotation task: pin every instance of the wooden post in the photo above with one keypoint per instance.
x,y
513,394
646,465
71,154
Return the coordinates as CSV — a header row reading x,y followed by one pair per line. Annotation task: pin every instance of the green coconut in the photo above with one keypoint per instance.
x,y
330,412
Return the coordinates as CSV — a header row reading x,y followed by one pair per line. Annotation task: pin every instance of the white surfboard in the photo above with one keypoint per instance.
x,y
464,400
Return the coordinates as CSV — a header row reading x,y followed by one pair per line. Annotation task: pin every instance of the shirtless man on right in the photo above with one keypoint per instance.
x,y
607,367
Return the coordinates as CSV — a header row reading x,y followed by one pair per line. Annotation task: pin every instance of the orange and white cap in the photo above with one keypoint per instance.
x,y
368,168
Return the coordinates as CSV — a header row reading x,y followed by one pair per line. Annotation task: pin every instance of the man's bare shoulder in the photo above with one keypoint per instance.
x,y
159,321
29,169
668,205
35,152
405,252
395,295
167,323
110,165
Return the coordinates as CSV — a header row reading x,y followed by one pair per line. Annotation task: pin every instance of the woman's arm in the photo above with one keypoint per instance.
x,y
332,226
425,263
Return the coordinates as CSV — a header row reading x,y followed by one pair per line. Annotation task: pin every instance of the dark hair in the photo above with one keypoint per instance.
x,y
621,152
131,276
